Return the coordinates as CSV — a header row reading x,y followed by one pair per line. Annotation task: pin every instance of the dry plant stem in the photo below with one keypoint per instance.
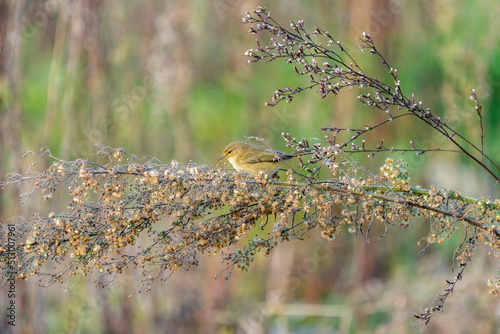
x,y
470,247
373,191
403,200
369,191
302,49
176,212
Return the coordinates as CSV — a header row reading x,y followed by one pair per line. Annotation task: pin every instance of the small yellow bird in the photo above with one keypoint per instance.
x,y
254,159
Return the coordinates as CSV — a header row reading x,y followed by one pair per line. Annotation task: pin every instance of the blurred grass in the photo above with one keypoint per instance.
x,y
170,80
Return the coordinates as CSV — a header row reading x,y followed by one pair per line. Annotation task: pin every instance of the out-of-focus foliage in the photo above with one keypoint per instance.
x,y
168,78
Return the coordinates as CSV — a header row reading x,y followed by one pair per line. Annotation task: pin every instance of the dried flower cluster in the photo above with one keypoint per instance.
x,y
160,217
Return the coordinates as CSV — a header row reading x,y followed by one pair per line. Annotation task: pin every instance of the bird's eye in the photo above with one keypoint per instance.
x,y
229,152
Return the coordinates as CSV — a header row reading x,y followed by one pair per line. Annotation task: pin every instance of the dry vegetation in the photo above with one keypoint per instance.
x,y
180,211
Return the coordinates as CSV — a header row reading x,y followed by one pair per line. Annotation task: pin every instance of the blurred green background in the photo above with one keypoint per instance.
x,y
169,79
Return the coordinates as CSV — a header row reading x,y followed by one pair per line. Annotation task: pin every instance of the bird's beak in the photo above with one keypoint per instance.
x,y
222,157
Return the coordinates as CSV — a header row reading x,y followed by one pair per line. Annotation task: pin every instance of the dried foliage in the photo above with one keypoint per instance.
x,y
331,68
157,217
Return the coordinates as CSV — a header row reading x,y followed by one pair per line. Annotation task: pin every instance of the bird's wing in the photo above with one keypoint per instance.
x,y
268,156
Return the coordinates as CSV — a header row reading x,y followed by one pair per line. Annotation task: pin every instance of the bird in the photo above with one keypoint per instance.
x,y
254,159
